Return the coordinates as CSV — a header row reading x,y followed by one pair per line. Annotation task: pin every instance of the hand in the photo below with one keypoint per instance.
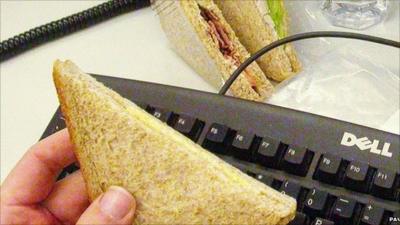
x,y
31,195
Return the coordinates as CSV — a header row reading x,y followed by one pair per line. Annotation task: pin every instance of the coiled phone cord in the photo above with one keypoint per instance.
x,y
107,10
67,25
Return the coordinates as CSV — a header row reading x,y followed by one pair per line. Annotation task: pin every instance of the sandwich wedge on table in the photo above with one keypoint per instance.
x,y
199,33
257,23
174,180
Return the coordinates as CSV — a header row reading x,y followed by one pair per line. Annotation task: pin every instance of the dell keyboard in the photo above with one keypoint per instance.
x,y
339,173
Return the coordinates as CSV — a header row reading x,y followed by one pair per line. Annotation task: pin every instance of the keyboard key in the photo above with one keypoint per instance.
x,y
291,189
250,173
161,114
300,219
329,169
189,126
315,204
343,211
297,160
276,184
60,121
62,175
357,176
270,152
142,105
68,170
241,146
372,215
384,184
217,138
267,180
320,221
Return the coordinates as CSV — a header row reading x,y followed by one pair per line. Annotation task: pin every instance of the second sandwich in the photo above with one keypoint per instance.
x,y
202,37
258,23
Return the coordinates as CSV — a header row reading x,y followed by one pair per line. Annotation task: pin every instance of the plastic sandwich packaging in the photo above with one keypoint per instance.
x,y
349,80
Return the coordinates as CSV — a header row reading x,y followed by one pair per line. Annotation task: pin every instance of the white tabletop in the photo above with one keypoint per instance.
x,y
130,46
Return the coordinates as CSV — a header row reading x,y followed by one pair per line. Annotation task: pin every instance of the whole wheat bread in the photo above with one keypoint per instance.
x,y
174,180
255,29
189,35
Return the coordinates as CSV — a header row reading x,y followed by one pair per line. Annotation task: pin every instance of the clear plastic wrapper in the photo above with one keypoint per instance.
x,y
340,79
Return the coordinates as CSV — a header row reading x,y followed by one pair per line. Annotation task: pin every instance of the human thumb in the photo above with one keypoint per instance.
x,y
116,206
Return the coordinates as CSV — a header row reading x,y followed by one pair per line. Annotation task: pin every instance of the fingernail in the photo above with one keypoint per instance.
x,y
116,202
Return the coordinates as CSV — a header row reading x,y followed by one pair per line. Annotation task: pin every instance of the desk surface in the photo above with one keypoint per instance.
x,y
130,46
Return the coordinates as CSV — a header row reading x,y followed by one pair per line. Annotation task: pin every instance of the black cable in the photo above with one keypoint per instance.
x,y
302,36
67,25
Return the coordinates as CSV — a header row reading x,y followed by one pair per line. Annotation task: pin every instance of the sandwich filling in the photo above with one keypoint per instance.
x,y
278,14
224,43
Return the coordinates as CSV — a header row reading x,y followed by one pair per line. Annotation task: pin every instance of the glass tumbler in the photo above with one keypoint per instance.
x,y
355,14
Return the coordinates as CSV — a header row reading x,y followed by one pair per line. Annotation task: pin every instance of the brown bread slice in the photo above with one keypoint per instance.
x,y
255,29
174,180
189,35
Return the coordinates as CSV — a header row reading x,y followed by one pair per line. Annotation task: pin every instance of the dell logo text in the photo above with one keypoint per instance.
x,y
365,143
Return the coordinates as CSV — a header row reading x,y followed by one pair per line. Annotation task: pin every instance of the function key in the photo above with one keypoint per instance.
x,y
358,176
291,189
316,203
189,126
343,212
242,146
164,115
297,160
300,219
320,221
329,169
372,215
270,152
384,184
217,138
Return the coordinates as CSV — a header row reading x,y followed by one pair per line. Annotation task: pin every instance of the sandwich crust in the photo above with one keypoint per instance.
x,y
255,29
189,35
174,180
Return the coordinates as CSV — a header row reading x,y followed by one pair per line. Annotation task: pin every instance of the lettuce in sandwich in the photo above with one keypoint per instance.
x,y
278,14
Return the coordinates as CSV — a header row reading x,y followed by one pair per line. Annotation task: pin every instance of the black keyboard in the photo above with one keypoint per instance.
x,y
340,173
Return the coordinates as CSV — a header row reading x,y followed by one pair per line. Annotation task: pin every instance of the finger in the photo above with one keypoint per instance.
x,y
32,178
32,214
116,206
68,193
